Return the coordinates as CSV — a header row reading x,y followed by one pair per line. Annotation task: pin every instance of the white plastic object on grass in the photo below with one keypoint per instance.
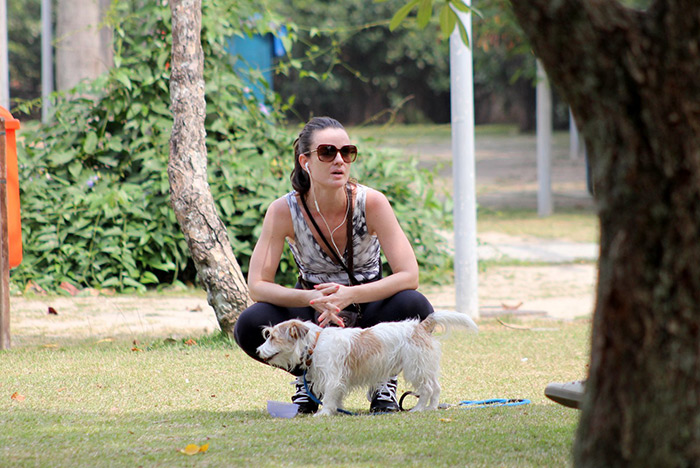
x,y
278,409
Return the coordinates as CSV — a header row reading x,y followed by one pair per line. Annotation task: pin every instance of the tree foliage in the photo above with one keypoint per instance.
x,y
349,64
24,50
94,189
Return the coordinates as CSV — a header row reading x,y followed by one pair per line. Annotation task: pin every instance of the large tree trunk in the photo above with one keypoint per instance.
x,y
633,81
190,196
83,44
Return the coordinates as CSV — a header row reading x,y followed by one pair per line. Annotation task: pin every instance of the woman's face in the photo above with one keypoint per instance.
x,y
333,173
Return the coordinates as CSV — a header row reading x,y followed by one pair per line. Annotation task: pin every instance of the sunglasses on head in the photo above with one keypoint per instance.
x,y
327,153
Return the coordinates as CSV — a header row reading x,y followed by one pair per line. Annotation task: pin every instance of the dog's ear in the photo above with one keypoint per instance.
x,y
298,330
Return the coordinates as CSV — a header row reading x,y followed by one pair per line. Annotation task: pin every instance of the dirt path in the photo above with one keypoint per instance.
x,y
556,291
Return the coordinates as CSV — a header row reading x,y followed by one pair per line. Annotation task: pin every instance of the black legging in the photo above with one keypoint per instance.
x,y
401,306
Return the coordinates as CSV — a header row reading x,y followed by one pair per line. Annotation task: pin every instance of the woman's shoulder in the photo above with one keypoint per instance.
x,y
280,207
374,198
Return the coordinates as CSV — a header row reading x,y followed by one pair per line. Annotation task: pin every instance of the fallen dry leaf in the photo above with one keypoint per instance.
x,y
190,342
52,311
193,449
17,397
31,286
69,288
445,420
136,349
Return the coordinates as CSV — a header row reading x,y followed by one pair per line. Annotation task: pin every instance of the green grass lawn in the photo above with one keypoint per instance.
x,y
98,404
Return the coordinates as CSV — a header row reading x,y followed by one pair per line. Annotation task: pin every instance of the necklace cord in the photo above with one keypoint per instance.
x,y
345,218
350,252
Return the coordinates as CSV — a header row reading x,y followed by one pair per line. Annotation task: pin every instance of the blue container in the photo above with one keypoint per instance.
x,y
256,53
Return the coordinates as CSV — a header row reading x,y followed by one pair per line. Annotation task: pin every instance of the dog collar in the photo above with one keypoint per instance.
x,y
310,350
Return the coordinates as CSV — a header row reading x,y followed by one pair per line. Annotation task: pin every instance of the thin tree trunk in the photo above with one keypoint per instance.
x,y
632,80
83,45
190,196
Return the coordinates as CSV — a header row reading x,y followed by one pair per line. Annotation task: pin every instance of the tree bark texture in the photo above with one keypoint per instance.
x,y
190,195
632,79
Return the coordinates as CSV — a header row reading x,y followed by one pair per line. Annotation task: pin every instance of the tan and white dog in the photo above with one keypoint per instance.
x,y
339,359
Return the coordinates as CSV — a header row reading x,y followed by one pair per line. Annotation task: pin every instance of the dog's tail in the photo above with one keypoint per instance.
x,y
448,320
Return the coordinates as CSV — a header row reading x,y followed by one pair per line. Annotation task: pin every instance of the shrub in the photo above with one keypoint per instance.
x,y
95,192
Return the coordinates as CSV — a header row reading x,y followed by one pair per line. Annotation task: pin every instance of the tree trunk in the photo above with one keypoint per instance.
x,y
190,196
633,82
83,47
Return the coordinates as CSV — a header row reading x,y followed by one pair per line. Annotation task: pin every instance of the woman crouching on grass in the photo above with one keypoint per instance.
x,y
335,229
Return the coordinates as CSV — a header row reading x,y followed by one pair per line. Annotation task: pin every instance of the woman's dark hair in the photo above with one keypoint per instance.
x,y
299,177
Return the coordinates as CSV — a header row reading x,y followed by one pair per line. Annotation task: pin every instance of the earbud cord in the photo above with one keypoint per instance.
x,y
347,209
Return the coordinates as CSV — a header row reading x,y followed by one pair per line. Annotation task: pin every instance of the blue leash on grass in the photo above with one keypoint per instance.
x,y
315,399
468,404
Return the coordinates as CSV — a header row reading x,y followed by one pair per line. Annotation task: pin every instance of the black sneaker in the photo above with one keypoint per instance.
x,y
383,398
302,399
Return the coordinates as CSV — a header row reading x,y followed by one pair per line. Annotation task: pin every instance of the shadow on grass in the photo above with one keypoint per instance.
x,y
532,435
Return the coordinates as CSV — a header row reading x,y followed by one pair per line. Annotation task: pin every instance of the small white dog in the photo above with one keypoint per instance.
x,y
339,359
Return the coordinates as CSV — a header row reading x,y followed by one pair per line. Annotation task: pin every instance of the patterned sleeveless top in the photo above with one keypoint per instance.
x,y
315,265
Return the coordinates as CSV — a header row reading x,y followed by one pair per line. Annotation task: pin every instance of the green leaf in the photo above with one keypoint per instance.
x,y
62,158
461,6
425,11
90,143
133,283
448,20
112,281
75,168
108,161
401,14
164,266
227,206
148,278
123,78
115,144
463,32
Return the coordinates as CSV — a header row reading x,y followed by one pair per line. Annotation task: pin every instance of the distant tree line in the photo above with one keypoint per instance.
x,y
353,67
348,64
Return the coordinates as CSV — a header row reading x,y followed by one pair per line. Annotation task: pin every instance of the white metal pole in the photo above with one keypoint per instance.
x,y
544,143
4,58
463,171
574,141
46,59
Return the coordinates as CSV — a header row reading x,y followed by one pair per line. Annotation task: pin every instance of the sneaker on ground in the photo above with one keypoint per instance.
x,y
383,398
302,398
569,394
